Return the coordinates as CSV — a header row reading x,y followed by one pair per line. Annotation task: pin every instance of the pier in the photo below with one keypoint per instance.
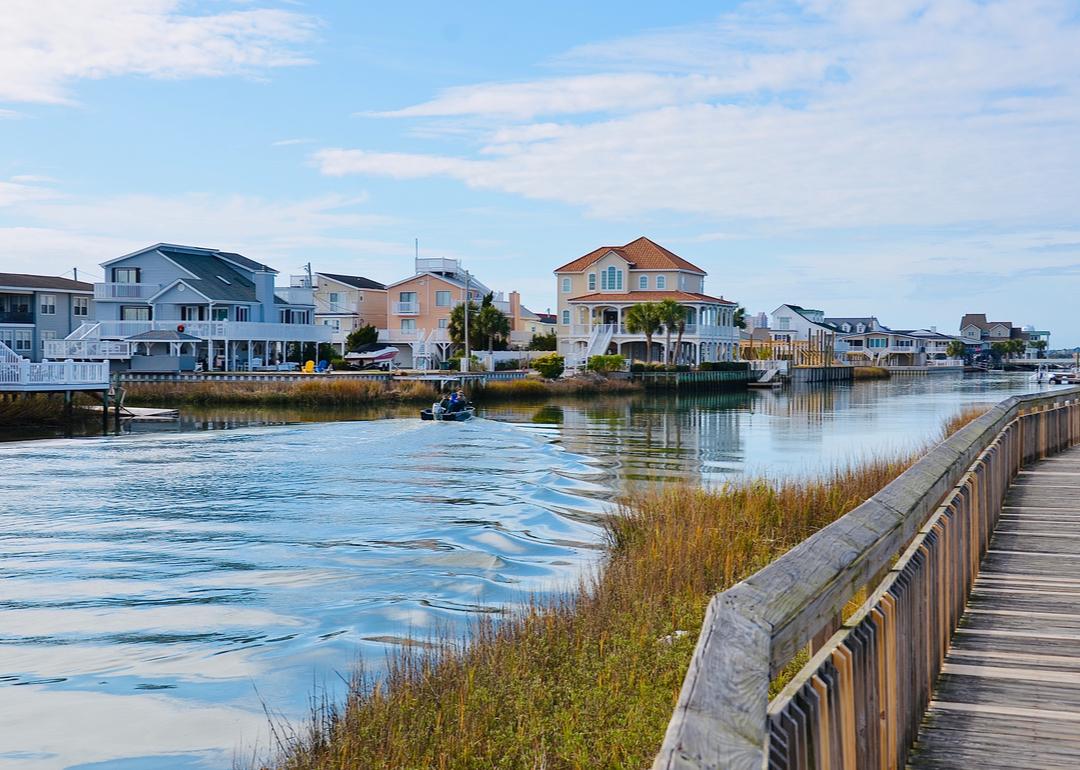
x,y
964,649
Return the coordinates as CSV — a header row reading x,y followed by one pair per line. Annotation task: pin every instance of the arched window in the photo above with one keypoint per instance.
x,y
566,317
643,282
592,281
611,279
661,281
846,328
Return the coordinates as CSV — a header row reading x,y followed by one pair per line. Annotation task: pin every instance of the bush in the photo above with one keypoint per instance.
x,y
604,364
504,366
551,366
546,341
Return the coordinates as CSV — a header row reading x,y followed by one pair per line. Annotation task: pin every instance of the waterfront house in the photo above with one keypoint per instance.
x,y
225,300
980,334
346,303
595,291
794,324
892,347
35,309
856,325
419,308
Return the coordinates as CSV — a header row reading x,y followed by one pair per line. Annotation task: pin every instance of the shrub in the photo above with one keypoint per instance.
x,y
547,341
551,366
604,364
504,366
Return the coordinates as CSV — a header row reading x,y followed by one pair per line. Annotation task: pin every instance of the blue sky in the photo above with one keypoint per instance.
x,y
915,160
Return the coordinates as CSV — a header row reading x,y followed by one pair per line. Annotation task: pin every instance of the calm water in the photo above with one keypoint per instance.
x,y
159,587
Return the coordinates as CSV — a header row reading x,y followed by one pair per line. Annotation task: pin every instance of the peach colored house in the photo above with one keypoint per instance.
x,y
347,302
595,291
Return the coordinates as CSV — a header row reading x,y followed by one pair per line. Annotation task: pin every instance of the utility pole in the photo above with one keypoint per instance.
x,y
311,285
466,359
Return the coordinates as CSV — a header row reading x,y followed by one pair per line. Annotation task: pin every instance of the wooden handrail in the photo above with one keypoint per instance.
x,y
752,630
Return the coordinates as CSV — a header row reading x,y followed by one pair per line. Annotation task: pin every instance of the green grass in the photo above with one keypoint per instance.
x,y
588,680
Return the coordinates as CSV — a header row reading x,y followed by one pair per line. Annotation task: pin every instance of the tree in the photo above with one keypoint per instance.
x,y
362,335
956,349
643,318
1017,347
492,325
680,329
456,326
1000,348
1040,345
740,317
671,314
546,341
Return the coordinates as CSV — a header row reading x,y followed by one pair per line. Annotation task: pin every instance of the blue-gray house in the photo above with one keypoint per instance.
x,y
225,301
35,309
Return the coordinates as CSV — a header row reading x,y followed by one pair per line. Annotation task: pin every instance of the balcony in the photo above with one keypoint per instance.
x,y
436,265
125,291
14,317
93,349
406,308
691,331
219,330
402,335
295,295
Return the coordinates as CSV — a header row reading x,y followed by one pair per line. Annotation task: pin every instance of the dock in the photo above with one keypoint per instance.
x,y
964,649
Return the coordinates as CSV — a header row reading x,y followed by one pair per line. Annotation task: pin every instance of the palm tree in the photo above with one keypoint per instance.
x,y
739,317
457,326
492,324
680,328
643,318
955,349
671,313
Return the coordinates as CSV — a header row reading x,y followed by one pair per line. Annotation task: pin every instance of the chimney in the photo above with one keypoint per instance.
x,y
515,310
933,329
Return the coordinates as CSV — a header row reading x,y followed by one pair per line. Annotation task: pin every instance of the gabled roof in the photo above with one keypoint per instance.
x,y
474,285
642,254
804,312
243,261
649,296
356,281
215,278
866,321
237,259
31,282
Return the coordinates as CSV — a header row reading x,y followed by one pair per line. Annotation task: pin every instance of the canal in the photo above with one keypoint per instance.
x,y
164,589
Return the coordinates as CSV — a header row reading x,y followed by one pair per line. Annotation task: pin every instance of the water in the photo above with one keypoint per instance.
x,y
158,588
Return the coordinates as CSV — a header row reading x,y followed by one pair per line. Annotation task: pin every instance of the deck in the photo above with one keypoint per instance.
x,y
1009,692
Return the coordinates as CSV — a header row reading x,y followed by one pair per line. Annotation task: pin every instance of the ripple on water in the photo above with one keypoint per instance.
x,y
152,581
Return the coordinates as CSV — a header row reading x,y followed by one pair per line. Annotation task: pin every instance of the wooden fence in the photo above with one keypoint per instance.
x,y
915,547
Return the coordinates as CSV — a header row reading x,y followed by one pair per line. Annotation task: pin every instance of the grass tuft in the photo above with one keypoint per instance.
x,y
871,373
335,391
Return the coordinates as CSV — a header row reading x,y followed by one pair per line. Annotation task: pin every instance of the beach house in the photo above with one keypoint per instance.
x,y
35,309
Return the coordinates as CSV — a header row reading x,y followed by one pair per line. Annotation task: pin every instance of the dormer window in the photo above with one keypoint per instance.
x,y
860,328
592,281
661,281
846,328
643,282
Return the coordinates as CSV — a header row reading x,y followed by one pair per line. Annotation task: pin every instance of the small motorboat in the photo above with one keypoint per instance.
x,y
436,412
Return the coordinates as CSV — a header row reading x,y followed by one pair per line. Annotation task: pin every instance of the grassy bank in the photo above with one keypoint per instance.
x,y
589,680
312,392
41,410
871,373
534,387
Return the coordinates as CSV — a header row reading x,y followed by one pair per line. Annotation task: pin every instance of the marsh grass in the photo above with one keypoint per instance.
x,y
317,391
40,409
871,373
589,679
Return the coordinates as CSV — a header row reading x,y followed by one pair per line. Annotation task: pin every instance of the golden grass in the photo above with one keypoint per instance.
x,y
534,387
588,680
871,373
31,410
316,391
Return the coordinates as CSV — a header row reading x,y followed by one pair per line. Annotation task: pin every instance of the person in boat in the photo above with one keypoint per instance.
x,y
458,402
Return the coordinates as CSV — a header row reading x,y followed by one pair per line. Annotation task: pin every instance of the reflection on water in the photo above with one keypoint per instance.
x,y
152,582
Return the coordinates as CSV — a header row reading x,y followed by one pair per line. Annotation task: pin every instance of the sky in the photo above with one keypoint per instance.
x,y
909,159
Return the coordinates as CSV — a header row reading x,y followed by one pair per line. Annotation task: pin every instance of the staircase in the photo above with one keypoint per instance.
x,y
599,339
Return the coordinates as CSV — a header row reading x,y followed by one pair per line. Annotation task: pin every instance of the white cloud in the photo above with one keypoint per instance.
x,y
24,188
815,114
48,44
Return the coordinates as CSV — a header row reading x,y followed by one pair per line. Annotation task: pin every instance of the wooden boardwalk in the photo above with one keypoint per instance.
x,y
1009,693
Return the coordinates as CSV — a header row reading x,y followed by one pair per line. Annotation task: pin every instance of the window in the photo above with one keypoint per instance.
x,y
23,340
783,322
408,324
611,279
661,281
566,317
125,275
855,343
643,282
134,313
592,281
80,306
877,342
846,328
219,314
406,296
334,298
243,313
46,335
444,322
333,323
565,285
442,299
48,304
860,328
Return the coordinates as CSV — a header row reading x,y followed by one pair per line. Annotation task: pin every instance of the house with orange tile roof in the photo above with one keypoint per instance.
x,y
596,290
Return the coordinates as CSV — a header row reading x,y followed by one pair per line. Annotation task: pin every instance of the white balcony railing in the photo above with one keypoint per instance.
x,y
406,308
436,265
83,348
219,330
696,331
53,374
106,291
402,335
296,295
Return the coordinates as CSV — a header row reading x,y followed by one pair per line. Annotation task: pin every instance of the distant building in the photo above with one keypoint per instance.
x,y
35,309
757,321
882,346
794,323
346,303
980,334
855,325
169,307
597,289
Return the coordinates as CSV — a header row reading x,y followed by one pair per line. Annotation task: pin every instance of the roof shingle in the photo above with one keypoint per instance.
x,y
650,296
642,254
26,281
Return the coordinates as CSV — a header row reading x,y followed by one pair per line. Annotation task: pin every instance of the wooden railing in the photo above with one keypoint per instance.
x,y
915,547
